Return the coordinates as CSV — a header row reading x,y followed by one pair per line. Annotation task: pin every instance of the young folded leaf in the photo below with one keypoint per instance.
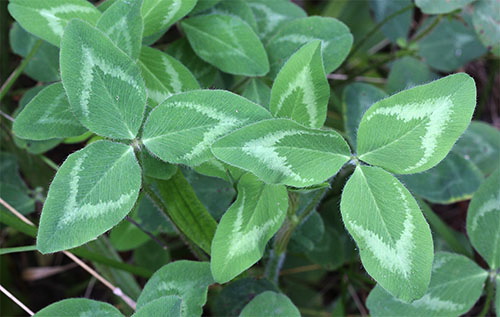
x,y
301,90
164,75
103,84
335,37
456,284
483,220
415,129
159,15
47,19
122,23
183,127
79,307
270,304
247,226
47,116
92,191
394,240
163,306
228,43
186,279
281,151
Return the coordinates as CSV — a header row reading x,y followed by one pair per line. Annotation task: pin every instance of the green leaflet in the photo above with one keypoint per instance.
x,y
483,220
270,304
456,284
408,72
450,45
92,191
453,179
415,129
79,307
486,23
480,144
301,90
17,198
228,43
103,84
48,116
394,240
126,236
247,226
203,5
156,168
356,99
440,6
334,35
183,127
280,151
185,210
236,8
164,75
398,26
9,171
163,306
44,66
122,23
186,279
258,91
47,19
159,15
202,71
271,15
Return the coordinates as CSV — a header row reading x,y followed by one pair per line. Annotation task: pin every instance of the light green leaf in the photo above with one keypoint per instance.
x,y
270,304
280,151
185,210
92,191
398,26
487,23
164,306
238,9
48,116
228,43
480,144
271,15
453,179
47,19
122,23
186,279
203,5
103,84
127,236
301,90
441,6
258,91
356,99
450,45
247,226
164,75
79,307
334,35
183,127
456,285
202,71
483,220
415,129
394,240
408,72
159,15
44,65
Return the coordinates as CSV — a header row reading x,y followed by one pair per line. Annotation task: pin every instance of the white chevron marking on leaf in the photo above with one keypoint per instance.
x,y
436,304
55,22
303,82
243,239
437,110
76,211
48,115
395,258
173,9
90,61
489,206
272,18
156,95
121,28
175,81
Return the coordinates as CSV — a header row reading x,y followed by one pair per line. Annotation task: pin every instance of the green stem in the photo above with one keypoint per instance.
x,y
377,27
4,251
489,297
18,71
428,30
384,61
